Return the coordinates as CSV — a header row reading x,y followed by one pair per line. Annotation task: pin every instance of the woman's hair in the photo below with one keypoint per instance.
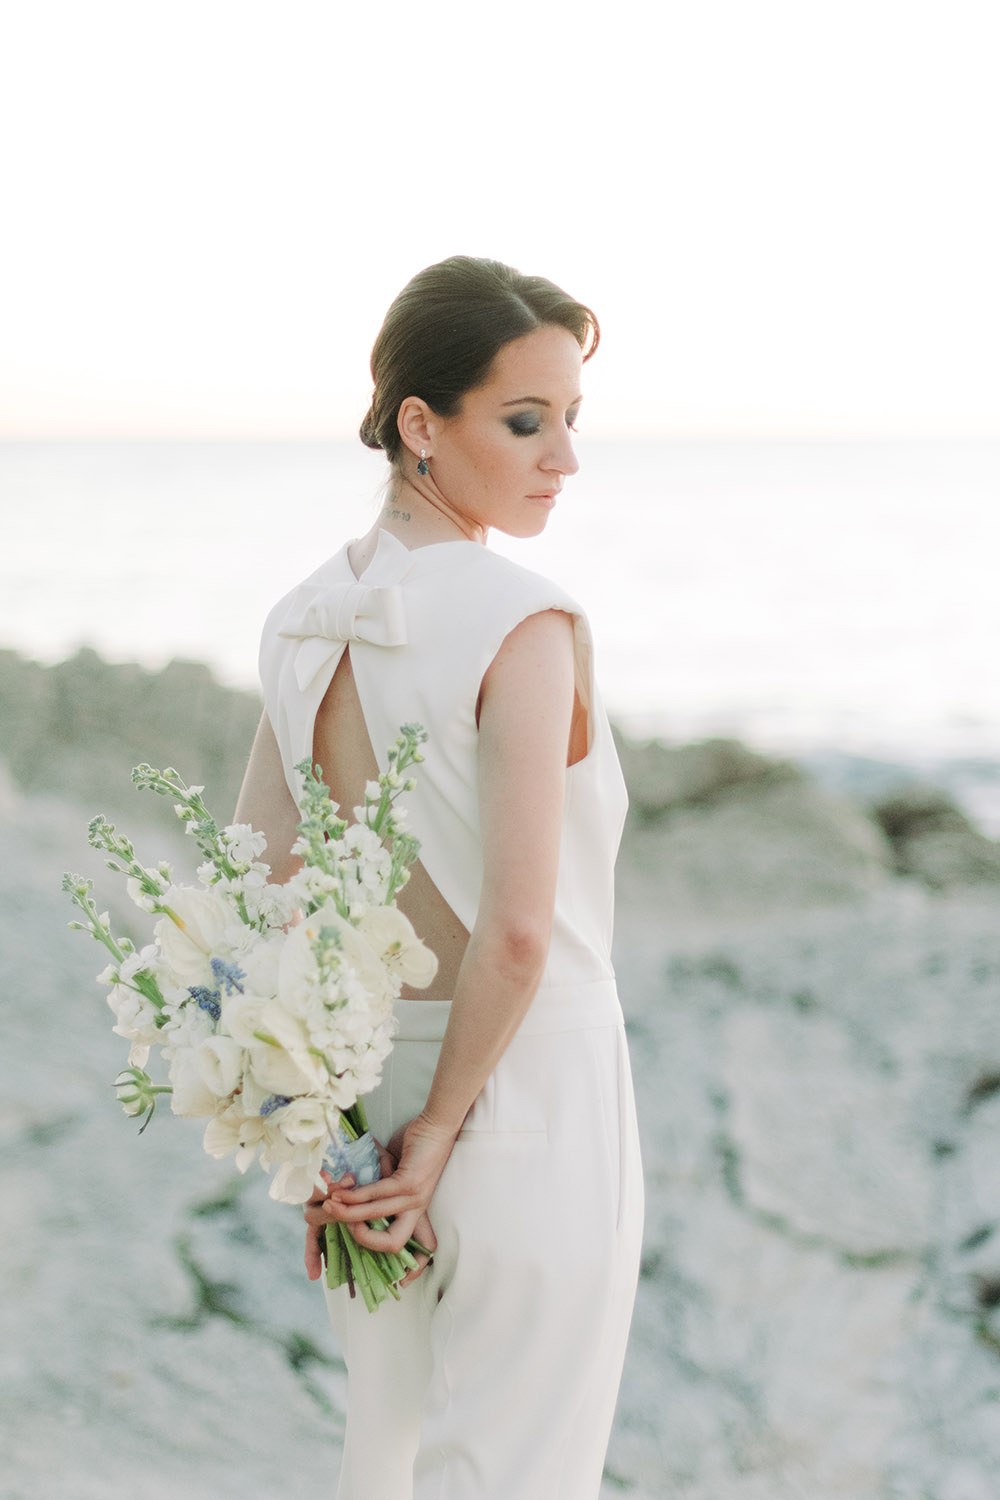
x,y
446,327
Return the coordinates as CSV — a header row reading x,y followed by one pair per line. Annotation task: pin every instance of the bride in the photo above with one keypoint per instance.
x,y
505,1109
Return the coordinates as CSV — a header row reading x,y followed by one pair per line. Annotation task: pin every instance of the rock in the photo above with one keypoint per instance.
x,y
76,730
662,778
934,841
772,845
10,797
816,1048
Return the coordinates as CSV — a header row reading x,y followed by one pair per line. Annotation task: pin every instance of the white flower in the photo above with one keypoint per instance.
x,y
220,1061
202,917
277,1071
392,937
191,1095
230,1131
189,1025
136,893
245,1017
295,1178
135,1019
260,965
303,1122
284,1063
243,843
135,962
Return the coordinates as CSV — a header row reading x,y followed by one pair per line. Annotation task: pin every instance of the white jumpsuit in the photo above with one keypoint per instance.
x,y
496,1375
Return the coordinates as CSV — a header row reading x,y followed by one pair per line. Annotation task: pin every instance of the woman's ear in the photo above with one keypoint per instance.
x,y
414,420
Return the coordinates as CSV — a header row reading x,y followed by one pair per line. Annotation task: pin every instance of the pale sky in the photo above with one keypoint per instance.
x,y
783,212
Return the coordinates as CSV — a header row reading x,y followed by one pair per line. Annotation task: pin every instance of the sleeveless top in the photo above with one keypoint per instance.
x,y
424,626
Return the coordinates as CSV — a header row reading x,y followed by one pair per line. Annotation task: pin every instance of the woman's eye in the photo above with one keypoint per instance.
x,y
523,425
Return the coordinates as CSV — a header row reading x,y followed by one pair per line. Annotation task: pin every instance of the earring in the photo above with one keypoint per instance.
x,y
422,462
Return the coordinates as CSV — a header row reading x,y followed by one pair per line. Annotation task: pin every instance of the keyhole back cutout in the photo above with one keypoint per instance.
x,y
342,747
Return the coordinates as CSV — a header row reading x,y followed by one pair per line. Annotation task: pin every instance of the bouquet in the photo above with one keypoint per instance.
x,y
272,1005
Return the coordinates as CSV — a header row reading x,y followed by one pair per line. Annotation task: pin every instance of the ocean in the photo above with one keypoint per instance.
x,y
836,602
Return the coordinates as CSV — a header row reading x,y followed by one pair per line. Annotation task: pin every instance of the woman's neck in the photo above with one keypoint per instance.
x,y
421,516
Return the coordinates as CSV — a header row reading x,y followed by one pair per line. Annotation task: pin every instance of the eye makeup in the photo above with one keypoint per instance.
x,y
524,424
527,423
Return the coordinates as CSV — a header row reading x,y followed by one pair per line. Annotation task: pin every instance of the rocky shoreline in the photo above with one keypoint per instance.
x,y
811,984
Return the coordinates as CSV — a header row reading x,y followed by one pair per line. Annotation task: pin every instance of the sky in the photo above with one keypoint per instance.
x,y
782,212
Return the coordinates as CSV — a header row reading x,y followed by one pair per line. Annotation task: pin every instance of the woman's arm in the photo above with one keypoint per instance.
x,y
526,711
266,803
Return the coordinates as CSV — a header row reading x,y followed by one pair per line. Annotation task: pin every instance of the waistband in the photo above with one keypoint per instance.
x,y
555,1008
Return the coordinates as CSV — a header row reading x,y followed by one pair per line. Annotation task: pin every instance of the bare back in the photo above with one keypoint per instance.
x,y
343,749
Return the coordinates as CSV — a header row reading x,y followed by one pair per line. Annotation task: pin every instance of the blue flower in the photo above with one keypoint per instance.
x,y
229,975
209,1000
273,1102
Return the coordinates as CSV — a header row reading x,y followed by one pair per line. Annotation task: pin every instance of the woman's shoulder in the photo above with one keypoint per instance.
x,y
510,580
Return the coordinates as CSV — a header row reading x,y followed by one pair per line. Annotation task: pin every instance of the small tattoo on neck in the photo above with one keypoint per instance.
x,y
398,515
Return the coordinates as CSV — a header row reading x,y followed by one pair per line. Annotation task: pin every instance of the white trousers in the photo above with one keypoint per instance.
x,y
495,1377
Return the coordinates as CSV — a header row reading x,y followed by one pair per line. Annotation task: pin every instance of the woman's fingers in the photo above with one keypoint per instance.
x,y
424,1234
393,1238
397,1200
314,1254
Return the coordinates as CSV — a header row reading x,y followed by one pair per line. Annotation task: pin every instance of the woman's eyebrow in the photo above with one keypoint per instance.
x,y
538,401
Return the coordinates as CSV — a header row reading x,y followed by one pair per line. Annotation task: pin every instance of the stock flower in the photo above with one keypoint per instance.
x,y
143,900
243,843
135,1020
327,937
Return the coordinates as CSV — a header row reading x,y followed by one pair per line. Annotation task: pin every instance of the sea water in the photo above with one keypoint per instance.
x,y
834,601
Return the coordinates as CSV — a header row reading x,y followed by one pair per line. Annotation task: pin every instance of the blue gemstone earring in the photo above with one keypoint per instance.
x,y
422,462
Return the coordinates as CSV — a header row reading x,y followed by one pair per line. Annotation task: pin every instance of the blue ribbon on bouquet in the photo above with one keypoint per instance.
x,y
359,1157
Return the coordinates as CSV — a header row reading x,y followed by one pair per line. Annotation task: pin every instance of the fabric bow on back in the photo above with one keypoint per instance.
x,y
342,612
323,618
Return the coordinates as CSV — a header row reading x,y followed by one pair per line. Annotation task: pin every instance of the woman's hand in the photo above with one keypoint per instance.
x,y
321,1210
417,1156
403,1191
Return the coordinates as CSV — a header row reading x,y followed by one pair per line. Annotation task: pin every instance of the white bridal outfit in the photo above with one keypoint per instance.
x,y
496,1375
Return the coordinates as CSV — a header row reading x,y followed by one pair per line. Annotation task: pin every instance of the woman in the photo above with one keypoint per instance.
x,y
506,1106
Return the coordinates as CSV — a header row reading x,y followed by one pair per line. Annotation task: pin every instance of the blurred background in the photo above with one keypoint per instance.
x,y
784,530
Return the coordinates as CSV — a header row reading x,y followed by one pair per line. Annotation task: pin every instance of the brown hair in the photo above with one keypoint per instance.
x,y
446,327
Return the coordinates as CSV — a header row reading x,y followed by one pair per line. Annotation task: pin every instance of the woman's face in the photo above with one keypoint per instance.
x,y
501,461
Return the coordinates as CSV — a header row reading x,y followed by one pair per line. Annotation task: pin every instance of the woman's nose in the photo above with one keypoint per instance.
x,y
563,458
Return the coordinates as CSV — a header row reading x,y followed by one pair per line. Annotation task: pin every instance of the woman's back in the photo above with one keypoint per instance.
x,y
343,751
345,661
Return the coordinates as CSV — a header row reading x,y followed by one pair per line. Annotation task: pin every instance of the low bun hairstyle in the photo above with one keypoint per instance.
x,y
446,327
